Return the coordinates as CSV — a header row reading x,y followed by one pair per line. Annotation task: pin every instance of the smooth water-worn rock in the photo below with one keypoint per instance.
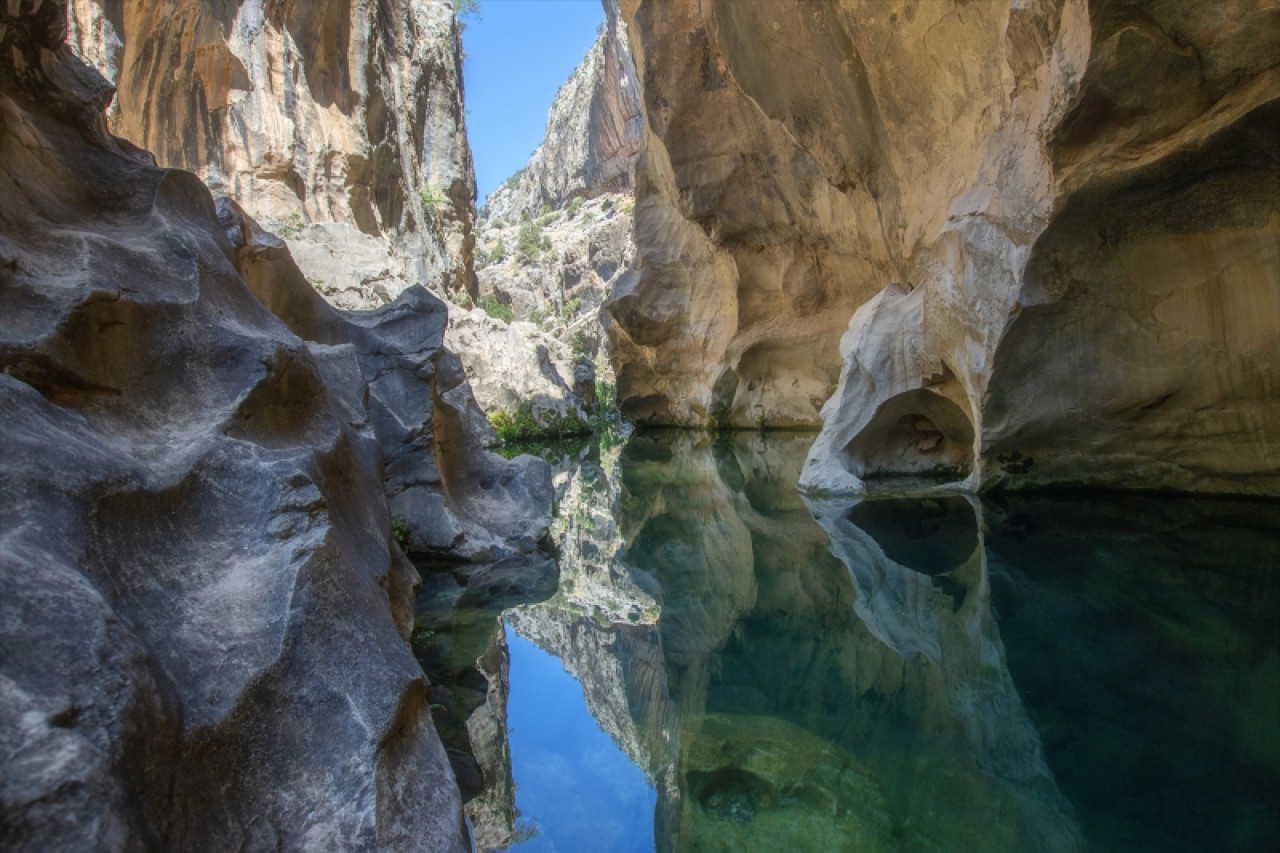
x,y
339,125
455,497
205,617
1056,221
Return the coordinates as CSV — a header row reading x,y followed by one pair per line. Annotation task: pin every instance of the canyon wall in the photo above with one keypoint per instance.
x,y
339,126
1055,225
206,614
554,240
592,135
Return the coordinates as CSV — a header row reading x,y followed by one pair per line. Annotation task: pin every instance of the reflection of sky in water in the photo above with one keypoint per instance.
x,y
575,787
832,675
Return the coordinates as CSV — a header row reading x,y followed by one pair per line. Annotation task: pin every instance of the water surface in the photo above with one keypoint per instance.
x,y
727,666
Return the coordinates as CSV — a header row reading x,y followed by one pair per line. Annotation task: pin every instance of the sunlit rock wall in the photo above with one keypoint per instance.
x,y
339,125
592,135
555,239
1057,223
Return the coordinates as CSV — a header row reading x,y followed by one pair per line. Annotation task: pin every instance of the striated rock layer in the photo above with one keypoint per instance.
x,y
204,624
338,124
1058,223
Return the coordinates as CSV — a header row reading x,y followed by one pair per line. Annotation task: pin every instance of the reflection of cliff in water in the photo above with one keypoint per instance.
x,y
459,641
781,701
1049,673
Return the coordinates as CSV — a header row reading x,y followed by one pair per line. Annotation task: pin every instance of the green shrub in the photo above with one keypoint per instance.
x,y
496,309
494,255
529,242
629,208
433,199
608,205
291,226
521,426
578,345
573,207
606,395
572,307
400,532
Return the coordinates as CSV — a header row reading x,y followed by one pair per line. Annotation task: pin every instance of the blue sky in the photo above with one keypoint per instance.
x,y
518,54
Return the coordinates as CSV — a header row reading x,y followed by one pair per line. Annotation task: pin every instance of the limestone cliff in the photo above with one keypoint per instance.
x,y
1057,222
592,136
554,240
338,125
205,618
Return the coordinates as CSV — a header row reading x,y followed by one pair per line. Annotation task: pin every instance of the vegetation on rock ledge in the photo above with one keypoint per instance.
x,y
522,426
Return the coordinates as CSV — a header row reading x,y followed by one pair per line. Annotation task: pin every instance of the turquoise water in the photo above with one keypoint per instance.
x,y
727,666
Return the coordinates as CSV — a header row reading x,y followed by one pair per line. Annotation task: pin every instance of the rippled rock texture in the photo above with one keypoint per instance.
x,y
338,125
1057,223
205,616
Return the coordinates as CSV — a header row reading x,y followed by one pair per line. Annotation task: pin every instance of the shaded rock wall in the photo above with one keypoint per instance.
x,y
339,124
457,500
1056,220
205,619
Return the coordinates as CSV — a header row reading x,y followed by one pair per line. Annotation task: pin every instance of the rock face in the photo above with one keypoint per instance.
x,y
556,268
1057,220
338,125
593,133
205,618
455,498
554,241
514,366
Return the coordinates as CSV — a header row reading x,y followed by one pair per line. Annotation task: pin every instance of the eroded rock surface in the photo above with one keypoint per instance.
x,y
455,497
205,618
338,125
1057,222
